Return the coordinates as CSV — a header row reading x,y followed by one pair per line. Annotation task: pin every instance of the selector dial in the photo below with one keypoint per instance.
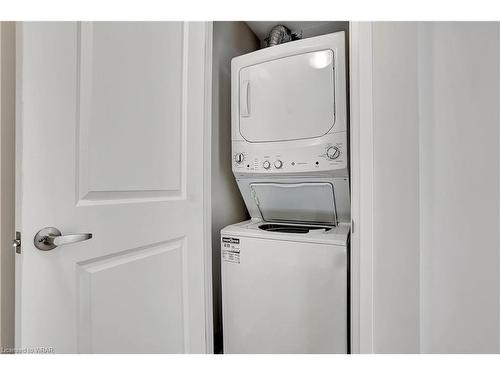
x,y
239,157
278,164
266,164
332,152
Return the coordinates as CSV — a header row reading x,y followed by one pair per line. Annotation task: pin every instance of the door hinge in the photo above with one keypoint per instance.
x,y
16,244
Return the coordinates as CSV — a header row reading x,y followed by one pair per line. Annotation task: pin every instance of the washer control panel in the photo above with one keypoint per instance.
x,y
291,157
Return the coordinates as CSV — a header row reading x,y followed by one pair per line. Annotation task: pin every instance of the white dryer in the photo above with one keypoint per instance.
x,y
289,127
283,291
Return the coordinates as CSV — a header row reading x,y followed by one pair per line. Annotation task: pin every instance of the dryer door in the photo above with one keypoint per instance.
x,y
288,98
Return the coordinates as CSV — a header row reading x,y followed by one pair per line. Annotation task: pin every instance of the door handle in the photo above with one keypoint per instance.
x,y
49,238
244,99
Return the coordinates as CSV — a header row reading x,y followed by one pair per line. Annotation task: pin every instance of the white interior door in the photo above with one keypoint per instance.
x,y
110,122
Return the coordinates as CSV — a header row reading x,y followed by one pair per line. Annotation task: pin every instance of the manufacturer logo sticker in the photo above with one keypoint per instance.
x,y
231,249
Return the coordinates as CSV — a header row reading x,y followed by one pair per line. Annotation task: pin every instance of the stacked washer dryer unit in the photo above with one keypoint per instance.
x,y
285,271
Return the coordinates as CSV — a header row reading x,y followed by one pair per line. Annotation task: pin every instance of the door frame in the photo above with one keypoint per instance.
x,y
207,189
362,189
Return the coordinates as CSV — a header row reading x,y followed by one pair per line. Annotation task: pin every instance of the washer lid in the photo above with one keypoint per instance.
x,y
312,202
289,98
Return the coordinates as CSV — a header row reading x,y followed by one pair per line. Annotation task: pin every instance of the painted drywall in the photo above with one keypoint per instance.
x,y
436,187
230,39
395,188
459,173
7,177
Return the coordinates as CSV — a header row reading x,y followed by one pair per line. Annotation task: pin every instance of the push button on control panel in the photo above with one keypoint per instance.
x,y
266,164
278,164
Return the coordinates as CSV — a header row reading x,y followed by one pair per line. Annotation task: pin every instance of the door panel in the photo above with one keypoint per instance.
x,y
104,123
130,95
151,277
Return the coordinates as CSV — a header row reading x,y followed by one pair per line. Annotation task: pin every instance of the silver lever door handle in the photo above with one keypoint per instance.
x,y
49,238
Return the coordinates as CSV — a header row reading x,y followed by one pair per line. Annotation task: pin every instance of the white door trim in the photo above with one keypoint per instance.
x,y
207,193
361,150
19,180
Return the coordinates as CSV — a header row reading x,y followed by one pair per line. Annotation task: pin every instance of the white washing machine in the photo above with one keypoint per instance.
x,y
285,272
285,288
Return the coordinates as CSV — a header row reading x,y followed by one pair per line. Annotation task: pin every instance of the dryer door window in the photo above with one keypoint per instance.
x,y
288,98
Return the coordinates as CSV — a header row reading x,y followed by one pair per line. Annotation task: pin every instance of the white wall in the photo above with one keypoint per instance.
x,y
7,176
436,187
395,189
230,39
460,189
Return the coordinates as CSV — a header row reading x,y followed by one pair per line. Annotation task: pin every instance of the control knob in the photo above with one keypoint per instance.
x,y
278,164
333,152
266,164
239,157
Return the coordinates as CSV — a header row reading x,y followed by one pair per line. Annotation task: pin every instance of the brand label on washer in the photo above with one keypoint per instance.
x,y
231,249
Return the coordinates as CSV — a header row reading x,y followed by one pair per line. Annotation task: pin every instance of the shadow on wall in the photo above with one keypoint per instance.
x,y
230,39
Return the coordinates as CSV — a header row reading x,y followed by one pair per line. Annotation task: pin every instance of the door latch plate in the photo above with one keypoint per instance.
x,y
16,244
